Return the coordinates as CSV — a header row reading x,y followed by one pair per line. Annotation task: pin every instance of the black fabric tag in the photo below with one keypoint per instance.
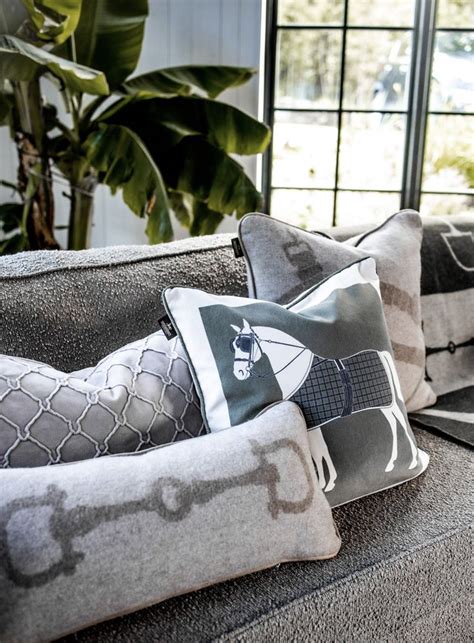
x,y
238,252
167,327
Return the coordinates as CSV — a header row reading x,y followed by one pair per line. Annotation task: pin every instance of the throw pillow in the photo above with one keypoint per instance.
x,y
141,395
447,289
328,351
87,541
299,259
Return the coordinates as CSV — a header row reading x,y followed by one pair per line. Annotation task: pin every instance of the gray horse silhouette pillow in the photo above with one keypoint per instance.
x,y
328,351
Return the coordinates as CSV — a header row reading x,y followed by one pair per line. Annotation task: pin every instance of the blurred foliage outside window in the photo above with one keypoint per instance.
x,y
328,169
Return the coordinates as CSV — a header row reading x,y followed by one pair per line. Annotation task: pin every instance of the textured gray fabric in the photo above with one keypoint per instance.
x,y
140,396
71,309
299,259
87,541
447,289
452,415
329,352
402,575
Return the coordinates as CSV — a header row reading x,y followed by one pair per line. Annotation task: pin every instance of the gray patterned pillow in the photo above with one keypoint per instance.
x,y
140,396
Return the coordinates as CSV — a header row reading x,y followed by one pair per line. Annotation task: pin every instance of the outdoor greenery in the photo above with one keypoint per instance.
x,y
362,154
160,138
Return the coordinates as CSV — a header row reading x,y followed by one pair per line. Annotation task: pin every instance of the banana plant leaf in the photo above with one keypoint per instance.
x,y
194,214
222,125
54,20
180,81
182,206
13,244
205,221
211,176
10,216
123,162
109,37
20,60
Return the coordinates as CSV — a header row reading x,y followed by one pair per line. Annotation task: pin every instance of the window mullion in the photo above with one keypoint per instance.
x,y
269,96
418,102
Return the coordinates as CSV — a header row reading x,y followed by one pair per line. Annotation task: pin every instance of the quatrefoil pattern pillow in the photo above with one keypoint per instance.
x,y
140,396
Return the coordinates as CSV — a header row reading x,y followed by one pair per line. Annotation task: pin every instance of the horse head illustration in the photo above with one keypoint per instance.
x,y
247,350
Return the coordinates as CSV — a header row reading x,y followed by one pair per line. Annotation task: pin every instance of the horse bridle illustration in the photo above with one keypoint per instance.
x,y
65,525
248,342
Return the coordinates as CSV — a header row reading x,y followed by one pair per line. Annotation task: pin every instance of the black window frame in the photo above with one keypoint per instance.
x,y
423,31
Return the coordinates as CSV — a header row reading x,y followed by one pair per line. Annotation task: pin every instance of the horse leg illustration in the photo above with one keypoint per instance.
x,y
320,452
390,417
394,413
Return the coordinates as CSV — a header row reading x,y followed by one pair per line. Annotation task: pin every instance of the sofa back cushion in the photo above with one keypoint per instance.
x,y
71,309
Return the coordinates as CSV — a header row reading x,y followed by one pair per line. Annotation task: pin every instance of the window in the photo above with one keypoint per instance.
x,y
358,128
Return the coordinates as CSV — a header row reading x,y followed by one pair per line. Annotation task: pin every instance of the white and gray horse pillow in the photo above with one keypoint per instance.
x,y
328,351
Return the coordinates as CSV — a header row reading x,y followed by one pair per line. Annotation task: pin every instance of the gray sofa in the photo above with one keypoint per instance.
x,y
403,570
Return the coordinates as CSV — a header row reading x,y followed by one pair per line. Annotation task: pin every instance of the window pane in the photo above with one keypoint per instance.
x,y
308,65
377,67
365,207
307,12
452,79
443,204
449,157
304,149
308,209
455,13
382,12
371,154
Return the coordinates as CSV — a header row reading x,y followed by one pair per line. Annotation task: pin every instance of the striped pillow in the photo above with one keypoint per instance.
x,y
299,259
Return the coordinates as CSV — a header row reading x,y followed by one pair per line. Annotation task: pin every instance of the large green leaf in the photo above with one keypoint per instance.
x,y
123,162
172,81
109,36
210,175
20,60
10,216
205,221
16,243
54,20
222,125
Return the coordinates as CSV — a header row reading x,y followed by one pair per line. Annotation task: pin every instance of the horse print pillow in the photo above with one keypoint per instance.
x,y
328,351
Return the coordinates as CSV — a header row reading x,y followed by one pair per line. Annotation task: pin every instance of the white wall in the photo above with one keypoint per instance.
x,y
177,32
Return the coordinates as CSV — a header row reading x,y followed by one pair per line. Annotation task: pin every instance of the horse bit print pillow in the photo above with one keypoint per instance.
x,y
329,352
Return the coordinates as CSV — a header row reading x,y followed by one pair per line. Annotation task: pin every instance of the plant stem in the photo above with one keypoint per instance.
x,y
30,141
80,220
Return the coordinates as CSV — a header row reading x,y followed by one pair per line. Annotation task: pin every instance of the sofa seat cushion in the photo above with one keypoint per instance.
x,y
389,582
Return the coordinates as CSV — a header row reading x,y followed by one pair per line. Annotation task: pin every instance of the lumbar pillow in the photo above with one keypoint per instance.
x,y
87,541
329,351
140,396
299,259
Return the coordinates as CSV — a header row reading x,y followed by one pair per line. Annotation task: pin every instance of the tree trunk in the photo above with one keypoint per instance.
x,y
34,173
80,221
